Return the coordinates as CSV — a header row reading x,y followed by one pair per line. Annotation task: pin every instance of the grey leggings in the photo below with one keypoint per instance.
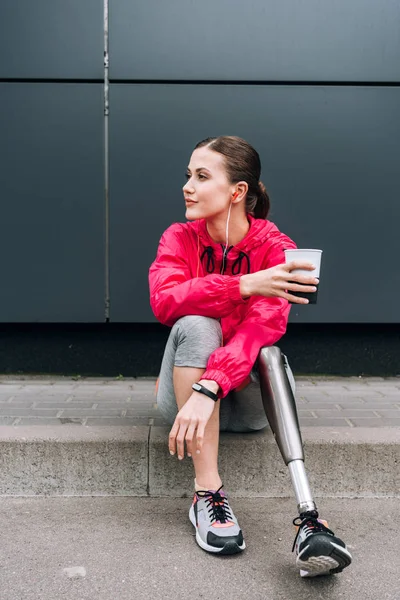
x,y
191,341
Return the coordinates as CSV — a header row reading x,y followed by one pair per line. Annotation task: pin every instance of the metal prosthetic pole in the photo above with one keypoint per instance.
x,y
280,408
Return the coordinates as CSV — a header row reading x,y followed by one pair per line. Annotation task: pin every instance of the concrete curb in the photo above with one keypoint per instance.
x,y
134,461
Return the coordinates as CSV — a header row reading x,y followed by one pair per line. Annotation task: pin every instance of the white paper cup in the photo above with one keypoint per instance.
x,y
312,256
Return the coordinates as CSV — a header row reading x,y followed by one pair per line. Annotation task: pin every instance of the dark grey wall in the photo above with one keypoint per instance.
x,y
51,39
51,155
298,40
331,163
52,217
329,146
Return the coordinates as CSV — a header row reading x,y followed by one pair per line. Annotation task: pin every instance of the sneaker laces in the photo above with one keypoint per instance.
x,y
218,507
310,525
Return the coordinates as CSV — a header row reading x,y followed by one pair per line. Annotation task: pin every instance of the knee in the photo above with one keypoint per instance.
x,y
271,358
196,328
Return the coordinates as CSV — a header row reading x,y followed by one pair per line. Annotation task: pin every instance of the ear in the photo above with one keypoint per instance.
x,y
240,192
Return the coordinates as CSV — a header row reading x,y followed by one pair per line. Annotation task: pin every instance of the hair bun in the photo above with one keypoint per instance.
x,y
262,187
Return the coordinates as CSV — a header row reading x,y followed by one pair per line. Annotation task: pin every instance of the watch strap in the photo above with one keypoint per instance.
x,y
197,387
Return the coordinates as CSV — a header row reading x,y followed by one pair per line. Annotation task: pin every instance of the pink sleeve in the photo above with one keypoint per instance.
x,y
174,293
265,323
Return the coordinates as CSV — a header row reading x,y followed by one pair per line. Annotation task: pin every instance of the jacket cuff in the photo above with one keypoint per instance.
x,y
233,291
223,381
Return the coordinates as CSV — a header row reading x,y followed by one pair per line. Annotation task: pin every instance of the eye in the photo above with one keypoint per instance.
x,y
201,176
187,176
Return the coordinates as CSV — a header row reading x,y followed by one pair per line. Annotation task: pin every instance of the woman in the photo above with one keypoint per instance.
x,y
220,280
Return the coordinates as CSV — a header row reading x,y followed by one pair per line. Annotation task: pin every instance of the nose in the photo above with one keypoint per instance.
x,y
188,187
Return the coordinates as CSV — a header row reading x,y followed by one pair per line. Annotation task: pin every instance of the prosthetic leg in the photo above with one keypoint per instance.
x,y
280,407
318,550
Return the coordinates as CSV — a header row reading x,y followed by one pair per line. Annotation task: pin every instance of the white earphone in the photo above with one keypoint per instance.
x,y
235,195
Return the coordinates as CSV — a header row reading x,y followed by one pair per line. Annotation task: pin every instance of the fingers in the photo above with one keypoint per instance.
x,y
298,265
182,430
296,287
172,437
189,426
200,436
189,438
304,279
180,439
295,299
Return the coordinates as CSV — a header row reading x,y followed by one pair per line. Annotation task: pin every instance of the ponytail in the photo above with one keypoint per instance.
x,y
262,206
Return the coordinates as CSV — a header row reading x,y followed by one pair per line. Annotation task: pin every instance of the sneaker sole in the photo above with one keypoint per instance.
x,y
228,548
315,566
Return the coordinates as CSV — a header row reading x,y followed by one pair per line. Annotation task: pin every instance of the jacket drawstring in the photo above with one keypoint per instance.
x,y
236,267
210,259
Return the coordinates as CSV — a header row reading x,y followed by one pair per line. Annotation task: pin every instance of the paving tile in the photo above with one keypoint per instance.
x,y
9,388
305,422
337,382
122,422
24,412
357,405
46,421
89,413
345,413
367,393
304,413
377,405
330,405
384,383
28,402
64,405
7,420
307,394
377,422
389,413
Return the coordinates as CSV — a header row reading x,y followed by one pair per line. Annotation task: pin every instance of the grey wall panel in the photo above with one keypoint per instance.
x,y
330,162
51,39
306,40
52,203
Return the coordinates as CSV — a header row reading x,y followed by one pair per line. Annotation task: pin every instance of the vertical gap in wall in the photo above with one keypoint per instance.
x,y
106,169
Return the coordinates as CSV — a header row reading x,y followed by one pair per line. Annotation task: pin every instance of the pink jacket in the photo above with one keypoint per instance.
x,y
185,280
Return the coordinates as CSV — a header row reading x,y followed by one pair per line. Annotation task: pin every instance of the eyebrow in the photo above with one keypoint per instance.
x,y
199,169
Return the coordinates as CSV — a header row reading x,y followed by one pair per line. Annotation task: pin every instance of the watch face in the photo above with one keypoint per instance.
x,y
196,387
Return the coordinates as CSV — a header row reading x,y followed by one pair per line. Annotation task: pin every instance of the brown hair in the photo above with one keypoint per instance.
x,y
242,164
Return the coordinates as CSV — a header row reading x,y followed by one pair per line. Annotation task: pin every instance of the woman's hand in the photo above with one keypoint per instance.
x,y
278,281
191,420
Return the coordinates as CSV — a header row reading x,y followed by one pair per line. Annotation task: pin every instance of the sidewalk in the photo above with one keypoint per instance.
x,y
321,401
96,437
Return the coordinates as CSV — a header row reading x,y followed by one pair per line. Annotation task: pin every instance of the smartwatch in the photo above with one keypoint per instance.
x,y
197,387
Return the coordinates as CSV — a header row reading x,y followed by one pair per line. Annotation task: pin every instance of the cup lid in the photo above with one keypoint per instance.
x,y
303,250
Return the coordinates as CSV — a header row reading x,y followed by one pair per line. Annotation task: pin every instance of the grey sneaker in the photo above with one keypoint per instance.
x,y
217,529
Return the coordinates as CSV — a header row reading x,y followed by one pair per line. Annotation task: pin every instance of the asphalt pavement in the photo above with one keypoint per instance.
x,y
144,548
